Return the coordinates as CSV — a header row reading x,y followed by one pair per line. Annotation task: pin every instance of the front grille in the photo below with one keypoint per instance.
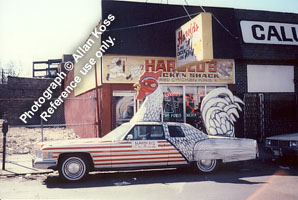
x,y
284,143
280,143
274,143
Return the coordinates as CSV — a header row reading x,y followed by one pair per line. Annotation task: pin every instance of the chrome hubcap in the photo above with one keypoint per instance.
x,y
74,168
206,163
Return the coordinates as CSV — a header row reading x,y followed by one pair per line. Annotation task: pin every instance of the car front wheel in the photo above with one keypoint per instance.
x,y
73,167
205,165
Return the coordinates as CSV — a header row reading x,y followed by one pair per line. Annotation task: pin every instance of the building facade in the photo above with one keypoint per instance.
x,y
254,54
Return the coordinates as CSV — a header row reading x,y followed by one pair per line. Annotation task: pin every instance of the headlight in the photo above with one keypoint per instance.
x,y
43,155
38,153
294,144
268,142
47,155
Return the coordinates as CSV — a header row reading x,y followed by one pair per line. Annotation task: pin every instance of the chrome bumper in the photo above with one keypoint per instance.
x,y
40,163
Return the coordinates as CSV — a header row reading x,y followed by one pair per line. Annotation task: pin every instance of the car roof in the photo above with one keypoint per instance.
x,y
157,123
292,136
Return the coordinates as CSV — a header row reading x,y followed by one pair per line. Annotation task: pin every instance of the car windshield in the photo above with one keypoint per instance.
x,y
118,132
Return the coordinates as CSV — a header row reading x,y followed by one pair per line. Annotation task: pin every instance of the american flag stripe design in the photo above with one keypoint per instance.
x,y
125,154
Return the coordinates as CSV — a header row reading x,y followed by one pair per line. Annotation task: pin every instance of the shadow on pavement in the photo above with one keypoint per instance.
x,y
235,173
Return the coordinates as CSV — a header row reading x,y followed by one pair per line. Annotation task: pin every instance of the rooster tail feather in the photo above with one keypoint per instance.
x,y
219,110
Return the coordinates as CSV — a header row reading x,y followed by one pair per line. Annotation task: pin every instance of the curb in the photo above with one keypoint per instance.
x,y
10,173
21,165
22,174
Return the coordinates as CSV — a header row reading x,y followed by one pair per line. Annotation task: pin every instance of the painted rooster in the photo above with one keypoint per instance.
x,y
152,106
219,110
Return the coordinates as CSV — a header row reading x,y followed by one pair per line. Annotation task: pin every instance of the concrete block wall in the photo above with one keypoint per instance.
x,y
241,77
19,94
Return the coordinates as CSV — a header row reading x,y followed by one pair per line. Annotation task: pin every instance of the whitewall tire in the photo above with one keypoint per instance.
x,y
73,167
206,165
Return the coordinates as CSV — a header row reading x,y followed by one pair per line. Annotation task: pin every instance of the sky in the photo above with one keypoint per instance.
x,y
270,5
38,30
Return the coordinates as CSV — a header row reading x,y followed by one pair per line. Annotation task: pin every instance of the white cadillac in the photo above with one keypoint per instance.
x,y
146,142
142,145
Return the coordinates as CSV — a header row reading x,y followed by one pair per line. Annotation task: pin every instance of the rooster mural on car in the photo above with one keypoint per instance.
x,y
148,142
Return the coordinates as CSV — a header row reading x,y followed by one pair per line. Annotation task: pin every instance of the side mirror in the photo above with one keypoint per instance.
x,y
129,137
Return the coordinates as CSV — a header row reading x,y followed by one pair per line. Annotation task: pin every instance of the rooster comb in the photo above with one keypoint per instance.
x,y
151,75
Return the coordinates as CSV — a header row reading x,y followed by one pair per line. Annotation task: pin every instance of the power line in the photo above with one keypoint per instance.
x,y
153,23
186,9
216,19
221,24
186,12
177,18
203,9
224,27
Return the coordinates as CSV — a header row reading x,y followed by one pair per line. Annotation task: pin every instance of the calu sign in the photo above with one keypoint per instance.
x,y
269,32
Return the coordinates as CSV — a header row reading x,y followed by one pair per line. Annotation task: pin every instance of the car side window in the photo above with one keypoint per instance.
x,y
176,131
146,132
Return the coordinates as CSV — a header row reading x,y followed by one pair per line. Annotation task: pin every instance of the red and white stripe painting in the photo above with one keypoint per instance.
x,y
138,153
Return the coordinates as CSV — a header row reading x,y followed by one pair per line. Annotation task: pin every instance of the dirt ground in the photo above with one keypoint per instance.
x,y
21,140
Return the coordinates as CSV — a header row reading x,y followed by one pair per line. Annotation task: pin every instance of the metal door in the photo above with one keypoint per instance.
x,y
254,116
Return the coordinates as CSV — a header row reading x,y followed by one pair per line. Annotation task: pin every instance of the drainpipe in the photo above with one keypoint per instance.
x,y
97,104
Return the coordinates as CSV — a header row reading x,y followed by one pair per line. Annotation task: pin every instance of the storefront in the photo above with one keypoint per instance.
x,y
253,53
183,88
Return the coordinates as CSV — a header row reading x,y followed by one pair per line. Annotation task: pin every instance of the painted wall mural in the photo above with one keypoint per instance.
x,y
219,110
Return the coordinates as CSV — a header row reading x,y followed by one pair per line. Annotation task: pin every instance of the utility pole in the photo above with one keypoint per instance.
x,y
4,131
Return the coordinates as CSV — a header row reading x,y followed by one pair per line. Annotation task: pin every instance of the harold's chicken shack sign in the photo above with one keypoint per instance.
x,y
128,69
194,41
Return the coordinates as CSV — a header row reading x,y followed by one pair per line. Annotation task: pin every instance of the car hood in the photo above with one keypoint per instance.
x,y
73,143
292,137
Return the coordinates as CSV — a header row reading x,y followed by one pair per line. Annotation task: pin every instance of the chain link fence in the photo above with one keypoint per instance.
x,y
75,116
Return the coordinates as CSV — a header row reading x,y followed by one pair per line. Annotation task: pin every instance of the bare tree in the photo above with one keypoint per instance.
x,y
11,68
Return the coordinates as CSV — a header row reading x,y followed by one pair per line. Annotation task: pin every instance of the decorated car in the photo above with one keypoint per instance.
x,y
147,142
283,145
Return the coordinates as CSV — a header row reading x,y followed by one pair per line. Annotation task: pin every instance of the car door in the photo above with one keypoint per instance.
x,y
178,141
145,147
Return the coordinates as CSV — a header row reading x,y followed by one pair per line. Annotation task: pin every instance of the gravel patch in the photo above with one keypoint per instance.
x,y
22,140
